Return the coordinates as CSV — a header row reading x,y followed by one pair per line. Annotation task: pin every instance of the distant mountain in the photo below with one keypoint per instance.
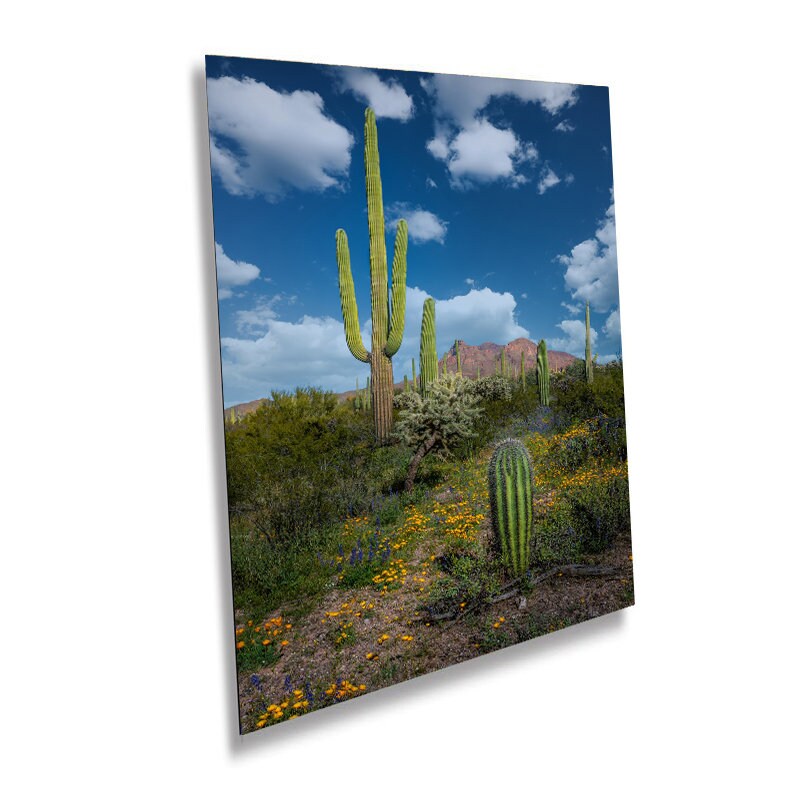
x,y
486,356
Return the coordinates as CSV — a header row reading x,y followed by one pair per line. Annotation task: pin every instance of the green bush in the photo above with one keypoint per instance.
x,y
573,399
304,461
586,521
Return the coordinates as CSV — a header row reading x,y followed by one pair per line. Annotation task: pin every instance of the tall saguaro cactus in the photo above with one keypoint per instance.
x,y
589,370
387,334
428,363
511,501
413,373
503,363
458,359
543,373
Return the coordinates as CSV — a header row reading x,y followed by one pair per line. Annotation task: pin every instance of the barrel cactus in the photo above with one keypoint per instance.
x,y
511,501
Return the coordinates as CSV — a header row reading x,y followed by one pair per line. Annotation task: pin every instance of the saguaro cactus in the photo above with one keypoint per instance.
x,y
428,363
458,358
511,501
503,363
413,373
589,370
387,334
522,370
543,373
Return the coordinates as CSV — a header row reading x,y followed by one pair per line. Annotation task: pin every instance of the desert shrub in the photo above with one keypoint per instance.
x,y
598,512
572,398
470,573
303,462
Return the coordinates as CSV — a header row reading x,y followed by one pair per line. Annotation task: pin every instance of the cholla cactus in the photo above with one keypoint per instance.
x,y
437,420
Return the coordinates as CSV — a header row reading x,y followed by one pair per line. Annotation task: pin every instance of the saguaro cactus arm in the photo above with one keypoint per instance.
x,y
347,294
398,321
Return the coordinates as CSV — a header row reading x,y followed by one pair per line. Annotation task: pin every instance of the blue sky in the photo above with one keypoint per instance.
x,y
506,185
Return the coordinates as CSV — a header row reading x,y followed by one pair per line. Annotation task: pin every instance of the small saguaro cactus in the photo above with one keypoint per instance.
x,y
543,373
405,383
589,370
503,363
458,359
413,373
511,501
428,363
522,370
479,371
387,333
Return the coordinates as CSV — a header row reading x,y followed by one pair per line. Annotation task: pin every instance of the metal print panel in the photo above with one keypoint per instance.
x,y
422,371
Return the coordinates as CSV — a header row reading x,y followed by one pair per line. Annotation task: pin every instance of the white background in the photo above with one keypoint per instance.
x,y
117,673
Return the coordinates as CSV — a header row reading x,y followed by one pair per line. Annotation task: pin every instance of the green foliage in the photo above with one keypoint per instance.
x,y
302,462
573,399
471,575
587,520
510,498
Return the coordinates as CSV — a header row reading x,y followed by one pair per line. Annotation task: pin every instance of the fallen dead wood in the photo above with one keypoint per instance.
x,y
511,589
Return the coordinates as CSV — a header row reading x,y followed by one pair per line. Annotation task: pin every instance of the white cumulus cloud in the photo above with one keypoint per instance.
x,y
461,97
611,328
387,98
482,153
565,126
423,226
591,272
267,142
312,351
480,315
232,273
475,150
547,180
574,339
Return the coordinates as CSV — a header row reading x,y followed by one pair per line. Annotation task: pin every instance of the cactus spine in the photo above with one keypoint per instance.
x,y
589,370
522,369
543,373
428,363
387,334
510,498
